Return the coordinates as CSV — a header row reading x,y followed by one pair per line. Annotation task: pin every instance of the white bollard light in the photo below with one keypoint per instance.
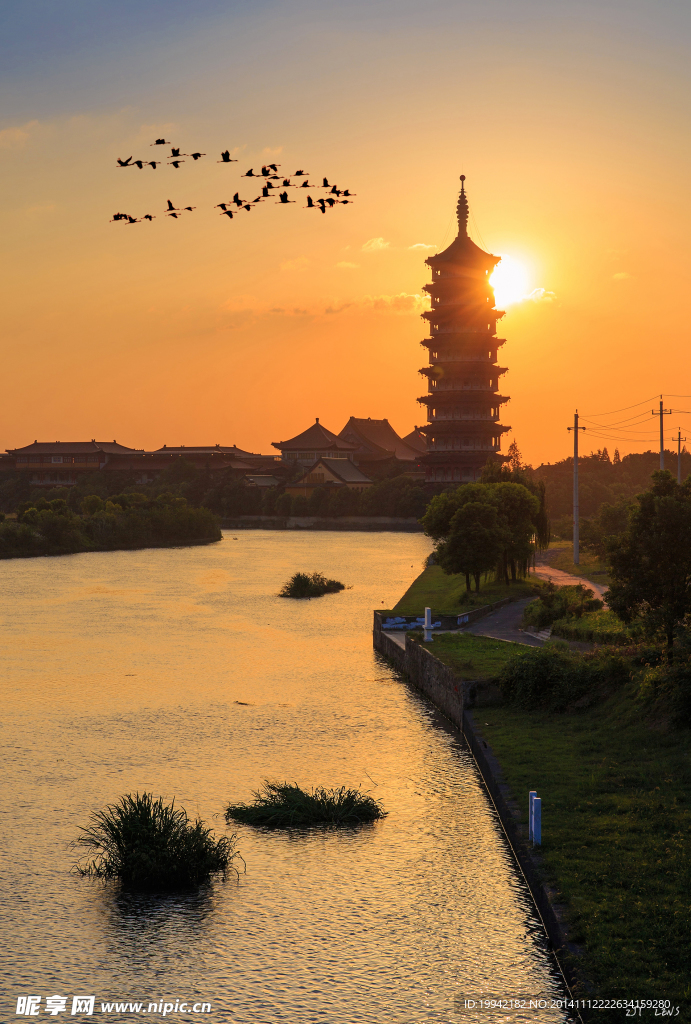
x,y
531,796
428,625
537,821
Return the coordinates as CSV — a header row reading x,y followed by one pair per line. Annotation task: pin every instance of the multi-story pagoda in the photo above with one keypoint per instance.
x,y
463,403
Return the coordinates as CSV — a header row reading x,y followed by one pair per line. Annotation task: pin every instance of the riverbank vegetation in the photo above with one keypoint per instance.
x,y
303,584
476,658
616,829
446,594
147,844
285,805
128,520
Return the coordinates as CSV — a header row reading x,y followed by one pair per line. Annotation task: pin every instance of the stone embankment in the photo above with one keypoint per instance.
x,y
365,523
453,696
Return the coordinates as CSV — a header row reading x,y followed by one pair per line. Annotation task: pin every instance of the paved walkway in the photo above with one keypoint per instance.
x,y
544,571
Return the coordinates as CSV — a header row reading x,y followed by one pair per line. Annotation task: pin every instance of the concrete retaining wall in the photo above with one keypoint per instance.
x,y
440,685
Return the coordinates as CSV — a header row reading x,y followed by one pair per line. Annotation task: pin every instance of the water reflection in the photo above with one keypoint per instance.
x,y
181,672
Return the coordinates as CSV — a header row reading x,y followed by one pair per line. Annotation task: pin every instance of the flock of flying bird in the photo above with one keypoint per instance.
x,y
268,178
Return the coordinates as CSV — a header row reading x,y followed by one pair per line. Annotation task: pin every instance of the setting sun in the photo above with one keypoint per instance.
x,y
510,281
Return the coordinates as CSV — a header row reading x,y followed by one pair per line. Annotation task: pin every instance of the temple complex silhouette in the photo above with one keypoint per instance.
x,y
463,403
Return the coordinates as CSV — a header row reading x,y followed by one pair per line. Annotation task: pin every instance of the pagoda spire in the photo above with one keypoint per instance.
x,y
462,209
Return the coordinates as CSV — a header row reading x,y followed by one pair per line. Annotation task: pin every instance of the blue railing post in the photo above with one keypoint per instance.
x,y
428,625
537,821
531,796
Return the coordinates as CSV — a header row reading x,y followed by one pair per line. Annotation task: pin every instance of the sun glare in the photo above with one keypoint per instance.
x,y
510,282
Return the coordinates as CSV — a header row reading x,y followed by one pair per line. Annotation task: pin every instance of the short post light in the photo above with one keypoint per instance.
x,y
428,625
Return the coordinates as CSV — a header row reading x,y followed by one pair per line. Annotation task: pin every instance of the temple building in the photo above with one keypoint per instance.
x,y
371,444
463,403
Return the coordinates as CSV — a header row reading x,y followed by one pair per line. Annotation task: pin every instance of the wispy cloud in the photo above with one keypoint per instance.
x,y
621,276
540,295
273,152
299,263
375,245
403,304
15,138
422,245
347,266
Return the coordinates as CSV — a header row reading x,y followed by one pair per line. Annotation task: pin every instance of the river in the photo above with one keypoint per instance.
x,y
180,671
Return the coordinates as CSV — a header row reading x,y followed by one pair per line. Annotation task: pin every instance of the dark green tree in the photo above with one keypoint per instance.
x,y
476,539
651,563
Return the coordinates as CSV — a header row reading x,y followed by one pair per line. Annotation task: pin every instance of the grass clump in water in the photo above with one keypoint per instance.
x,y
304,584
285,805
151,845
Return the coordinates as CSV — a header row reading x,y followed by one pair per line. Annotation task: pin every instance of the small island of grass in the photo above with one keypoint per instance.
x,y
285,805
147,844
303,584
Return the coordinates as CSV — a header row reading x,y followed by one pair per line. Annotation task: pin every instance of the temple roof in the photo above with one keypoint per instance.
x,y
343,469
208,449
416,439
379,438
463,249
73,448
315,438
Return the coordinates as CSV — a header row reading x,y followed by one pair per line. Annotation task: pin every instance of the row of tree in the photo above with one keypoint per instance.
x,y
131,520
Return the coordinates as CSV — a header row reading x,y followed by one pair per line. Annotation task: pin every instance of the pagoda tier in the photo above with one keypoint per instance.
x,y
463,405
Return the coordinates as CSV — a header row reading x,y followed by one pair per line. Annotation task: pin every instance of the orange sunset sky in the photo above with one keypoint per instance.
x,y
570,121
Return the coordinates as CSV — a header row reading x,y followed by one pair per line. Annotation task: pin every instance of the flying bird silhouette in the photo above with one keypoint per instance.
x,y
171,214
300,174
221,206
226,158
310,203
335,192
132,220
347,193
306,184
195,156
283,196
170,206
331,202
148,216
176,164
154,163
248,174
265,192
286,182
125,163
322,205
227,213
237,200
119,216
175,152
139,164
160,142
274,167
325,183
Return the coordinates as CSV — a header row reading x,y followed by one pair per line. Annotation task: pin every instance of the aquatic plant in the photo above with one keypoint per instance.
x,y
303,584
285,805
151,845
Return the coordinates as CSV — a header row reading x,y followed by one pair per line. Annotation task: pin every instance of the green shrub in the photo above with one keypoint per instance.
x,y
666,688
285,805
150,845
600,627
559,603
303,584
553,678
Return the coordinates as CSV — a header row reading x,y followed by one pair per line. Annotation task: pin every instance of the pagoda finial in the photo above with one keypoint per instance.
x,y
462,209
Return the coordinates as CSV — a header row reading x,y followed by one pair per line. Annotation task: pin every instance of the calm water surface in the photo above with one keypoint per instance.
x,y
181,672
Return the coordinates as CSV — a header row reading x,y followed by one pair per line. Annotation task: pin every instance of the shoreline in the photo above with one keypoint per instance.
x,y
373,524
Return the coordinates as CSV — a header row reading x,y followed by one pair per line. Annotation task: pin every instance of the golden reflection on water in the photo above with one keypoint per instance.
x,y
182,672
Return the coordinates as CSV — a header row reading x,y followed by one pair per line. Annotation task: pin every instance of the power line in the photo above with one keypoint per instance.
x,y
624,409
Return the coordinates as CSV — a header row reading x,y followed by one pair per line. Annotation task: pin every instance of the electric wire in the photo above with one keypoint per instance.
x,y
624,409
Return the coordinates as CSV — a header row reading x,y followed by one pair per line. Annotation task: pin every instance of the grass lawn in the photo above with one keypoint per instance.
x,y
616,825
473,657
560,555
447,594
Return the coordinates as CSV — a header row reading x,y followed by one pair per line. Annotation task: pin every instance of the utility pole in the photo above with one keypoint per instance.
x,y
575,429
662,413
679,440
